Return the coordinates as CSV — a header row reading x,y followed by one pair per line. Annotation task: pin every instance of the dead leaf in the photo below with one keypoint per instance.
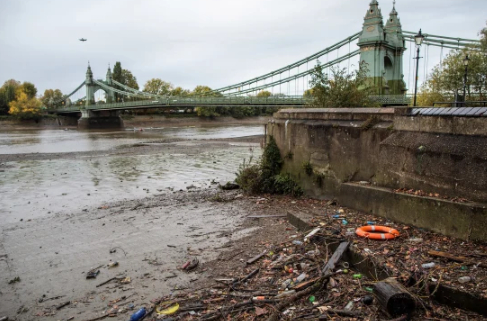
x,y
260,311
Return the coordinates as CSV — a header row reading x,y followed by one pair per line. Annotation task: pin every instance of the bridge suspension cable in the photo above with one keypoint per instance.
x,y
65,97
289,67
118,91
135,91
296,76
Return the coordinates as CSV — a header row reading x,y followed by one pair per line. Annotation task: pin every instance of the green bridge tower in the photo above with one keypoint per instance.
x,y
382,49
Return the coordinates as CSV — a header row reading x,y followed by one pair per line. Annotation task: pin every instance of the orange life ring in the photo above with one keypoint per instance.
x,y
387,232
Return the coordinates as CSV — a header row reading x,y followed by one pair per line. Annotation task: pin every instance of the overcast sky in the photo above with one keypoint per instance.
x,y
196,42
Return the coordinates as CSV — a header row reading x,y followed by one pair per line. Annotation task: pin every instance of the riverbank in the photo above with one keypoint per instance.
x,y
137,121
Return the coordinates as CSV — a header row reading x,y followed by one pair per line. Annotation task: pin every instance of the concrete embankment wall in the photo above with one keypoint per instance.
x,y
361,155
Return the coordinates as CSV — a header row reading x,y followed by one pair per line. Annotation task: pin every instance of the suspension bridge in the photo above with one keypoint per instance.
x,y
381,46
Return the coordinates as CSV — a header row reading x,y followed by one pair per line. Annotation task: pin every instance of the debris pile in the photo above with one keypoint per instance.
x,y
317,275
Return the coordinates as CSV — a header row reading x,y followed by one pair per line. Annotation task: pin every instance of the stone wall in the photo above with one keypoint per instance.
x,y
386,149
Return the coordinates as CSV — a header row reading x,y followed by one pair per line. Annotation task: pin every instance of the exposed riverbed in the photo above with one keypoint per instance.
x,y
67,198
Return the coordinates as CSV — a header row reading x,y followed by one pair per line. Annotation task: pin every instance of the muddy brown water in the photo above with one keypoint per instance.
x,y
61,214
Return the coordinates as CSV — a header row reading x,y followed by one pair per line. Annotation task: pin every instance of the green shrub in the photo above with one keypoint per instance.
x,y
249,177
284,184
265,176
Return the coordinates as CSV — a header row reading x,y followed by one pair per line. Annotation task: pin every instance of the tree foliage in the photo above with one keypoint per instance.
x,y
341,90
51,96
129,79
447,79
159,87
180,92
264,94
7,94
25,106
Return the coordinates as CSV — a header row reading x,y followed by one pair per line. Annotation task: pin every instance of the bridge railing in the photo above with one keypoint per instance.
x,y
226,101
191,102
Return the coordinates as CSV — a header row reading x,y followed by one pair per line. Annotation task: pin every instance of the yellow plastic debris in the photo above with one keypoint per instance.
x,y
168,311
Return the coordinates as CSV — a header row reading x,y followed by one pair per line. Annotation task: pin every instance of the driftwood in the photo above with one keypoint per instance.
x,y
336,257
265,216
342,313
393,298
448,256
256,258
451,257
110,280
250,275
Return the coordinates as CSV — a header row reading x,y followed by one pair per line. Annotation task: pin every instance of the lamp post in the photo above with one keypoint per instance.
x,y
418,39
465,63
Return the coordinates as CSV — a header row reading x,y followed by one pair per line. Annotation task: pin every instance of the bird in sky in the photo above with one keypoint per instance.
x,y
82,39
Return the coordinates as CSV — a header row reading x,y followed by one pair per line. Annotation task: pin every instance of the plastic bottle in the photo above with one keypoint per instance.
x,y
416,240
138,315
301,277
464,279
349,306
370,223
428,265
286,283
112,264
285,294
296,242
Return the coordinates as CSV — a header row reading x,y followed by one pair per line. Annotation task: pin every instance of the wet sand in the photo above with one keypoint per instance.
x,y
150,234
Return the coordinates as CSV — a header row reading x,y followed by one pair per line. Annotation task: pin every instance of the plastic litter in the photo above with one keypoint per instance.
x,y
428,265
464,279
168,311
285,294
138,315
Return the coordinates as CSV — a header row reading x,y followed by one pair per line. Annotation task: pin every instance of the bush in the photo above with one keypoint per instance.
x,y
265,177
248,177
284,184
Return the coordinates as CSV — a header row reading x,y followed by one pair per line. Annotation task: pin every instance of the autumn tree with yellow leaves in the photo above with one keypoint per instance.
x,y
25,105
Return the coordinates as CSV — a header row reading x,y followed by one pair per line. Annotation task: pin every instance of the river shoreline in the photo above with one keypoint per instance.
x,y
137,121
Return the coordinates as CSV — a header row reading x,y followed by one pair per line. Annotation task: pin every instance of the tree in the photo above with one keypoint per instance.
x,y
180,92
159,87
483,39
447,79
117,75
129,79
29,89
342,90
50,97
264,94
204,91
24,106
7,94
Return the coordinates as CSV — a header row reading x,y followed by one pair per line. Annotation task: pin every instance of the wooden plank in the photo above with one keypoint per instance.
x,y
265,216
448,256
256,258
336,257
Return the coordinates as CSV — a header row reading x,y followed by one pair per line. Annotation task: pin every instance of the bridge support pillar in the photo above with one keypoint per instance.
x,y
104,119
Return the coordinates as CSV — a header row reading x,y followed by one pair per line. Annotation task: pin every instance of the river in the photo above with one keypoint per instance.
x,y
104,166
